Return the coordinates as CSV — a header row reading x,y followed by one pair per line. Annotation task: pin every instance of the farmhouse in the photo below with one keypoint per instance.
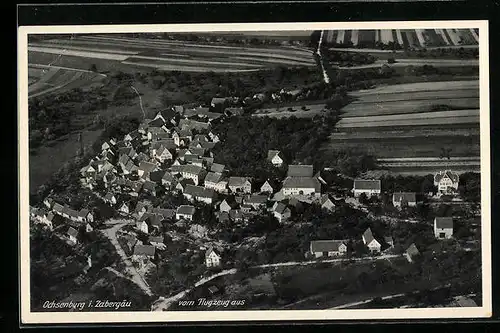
x,y
327,248
300,171
234,111
149,187
162,154
403,199
181,185
240,184
142,251
411,252
185,212
443,227
367,186
372,244
124,208
215,181
268,187
281,211
194,172
227,204
212,258
142,226
206,195
166,115
156,241
446,181
301,186
275,157
72,235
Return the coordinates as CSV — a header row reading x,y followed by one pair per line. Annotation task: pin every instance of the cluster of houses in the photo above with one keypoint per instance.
x,y
173,152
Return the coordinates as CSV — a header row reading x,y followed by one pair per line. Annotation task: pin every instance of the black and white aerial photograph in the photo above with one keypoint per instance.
x,y
226,170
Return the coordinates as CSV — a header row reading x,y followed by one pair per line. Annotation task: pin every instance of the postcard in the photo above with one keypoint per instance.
x,y
254,172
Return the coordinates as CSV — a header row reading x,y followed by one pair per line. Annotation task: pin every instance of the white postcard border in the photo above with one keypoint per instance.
x,y
28,317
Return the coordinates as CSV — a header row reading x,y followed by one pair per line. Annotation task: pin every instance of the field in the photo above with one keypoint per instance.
x,y
173,55
295,110
414,128
418,38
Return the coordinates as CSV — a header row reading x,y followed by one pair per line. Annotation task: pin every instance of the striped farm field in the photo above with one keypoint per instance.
x,y
407,106
421,86
411,122
415,95
410,117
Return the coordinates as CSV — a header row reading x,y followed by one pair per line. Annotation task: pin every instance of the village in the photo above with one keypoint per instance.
x,y
171,156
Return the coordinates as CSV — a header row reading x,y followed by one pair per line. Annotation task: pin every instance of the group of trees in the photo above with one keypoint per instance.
x,y
443,52
347,59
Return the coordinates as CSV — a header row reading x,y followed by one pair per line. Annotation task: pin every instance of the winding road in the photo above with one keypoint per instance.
x,y
110,233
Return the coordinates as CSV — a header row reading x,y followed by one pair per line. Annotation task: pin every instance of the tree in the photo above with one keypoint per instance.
x,y
363,199
93,68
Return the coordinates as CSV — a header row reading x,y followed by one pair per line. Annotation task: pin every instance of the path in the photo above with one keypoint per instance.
x,y
110,233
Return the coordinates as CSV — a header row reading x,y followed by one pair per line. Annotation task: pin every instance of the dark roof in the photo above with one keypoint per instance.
x,y
192,169
255,199
300,171
164,212
448,173
167,114
234,111
213,177
237,181
144,250
368,236
272,153
280,208
199,191
149,186
210,250
405,196
155,239
72,232
412,250
186,210
155,123
215,167
157,176
185,182
147,166
326,245
443,222
367,184
302,182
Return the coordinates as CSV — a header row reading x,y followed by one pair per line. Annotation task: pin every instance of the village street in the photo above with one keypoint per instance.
x,y
164,303
110,233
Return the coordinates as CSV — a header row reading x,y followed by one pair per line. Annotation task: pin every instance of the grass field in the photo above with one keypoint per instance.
x,y
296,110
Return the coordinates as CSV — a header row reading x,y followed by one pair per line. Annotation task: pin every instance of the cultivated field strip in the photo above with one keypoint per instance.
x,y
85,54
388,135
413,122
413,116
406,106
187,68
421,86
416,95
75,45
407,37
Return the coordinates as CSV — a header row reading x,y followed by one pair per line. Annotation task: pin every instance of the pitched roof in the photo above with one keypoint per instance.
x,y
326,245
164,212
109,196
237,181
448,173
280,208
155,123
302,182
325,198
235,111
368,236
144,250
412,250
272,153
255,199
199,191
147,166
72,232
186,210
192,169
367,184
300,171
404,196
157,176
443,222
149,185
167,114
388,239
216,167
210,250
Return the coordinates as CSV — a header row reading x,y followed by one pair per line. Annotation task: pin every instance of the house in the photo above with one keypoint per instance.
x,y
162,154
222,216
301,186
370,241
165,213
157,241
142,251
236,215
157,176
194,172
212,258
403,199
389,241
145,168
181,185
215,167
411,252
109,198
193,192
124,208
214,137
443,227
234,111
255,200
132,136
166,115
142,226
227,204
296,170
326,203
240,184
84,215
281,212
367,186
127,164
149,187
72,235
88,228
185,212
168,180
446,181
219,101
327,248
267,187
275,157
215,181
213,290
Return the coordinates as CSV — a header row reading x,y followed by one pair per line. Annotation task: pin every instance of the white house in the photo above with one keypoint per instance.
x,y
267,187
275,157
367,186
185,212
193,192
301,186
281,212
142,226
328,248
402,199
194,172
110,198
212,258
446,181
370,241
443,227
326,203
215,181
162,154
